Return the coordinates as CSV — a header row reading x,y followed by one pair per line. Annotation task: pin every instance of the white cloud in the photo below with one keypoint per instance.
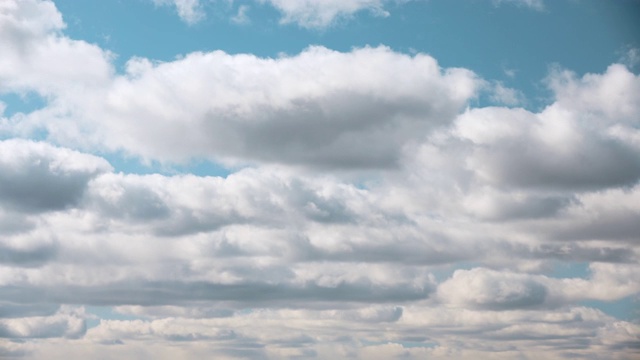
x,y
478,288
320,108
567,143
28,18
320,14
503,95
190,11
268,239
241,16
430,331
289,257
485,289
308,14
36,57
68,322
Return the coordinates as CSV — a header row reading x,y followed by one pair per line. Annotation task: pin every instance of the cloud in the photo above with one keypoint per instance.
x,y
483,289
241,16
320,14
364,184
27,257
192,312
26,310
507,96
565,145
40,18
13,223
631,57
238,293
433,331
38,177
190,11
280,110
37,57
66,323
305,13
489,204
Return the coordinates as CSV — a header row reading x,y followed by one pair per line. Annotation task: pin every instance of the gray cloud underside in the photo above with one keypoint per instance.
x,y
254,294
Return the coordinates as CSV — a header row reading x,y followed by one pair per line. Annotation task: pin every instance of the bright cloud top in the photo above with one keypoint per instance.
x,y
375,206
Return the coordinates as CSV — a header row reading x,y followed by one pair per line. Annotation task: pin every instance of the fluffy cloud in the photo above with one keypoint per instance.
x,y
347,115
40,177
434,332
486,290
501,290
371,182
320,107
567,144
66,323
336,252
36,57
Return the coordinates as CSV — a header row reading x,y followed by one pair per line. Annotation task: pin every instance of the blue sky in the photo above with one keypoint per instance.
x,y
319,179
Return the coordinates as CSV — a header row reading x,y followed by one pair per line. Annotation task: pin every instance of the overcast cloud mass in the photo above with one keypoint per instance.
x,y
326,200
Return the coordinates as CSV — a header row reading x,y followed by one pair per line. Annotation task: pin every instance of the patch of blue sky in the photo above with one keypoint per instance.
x,y
570,270
134,165
627,308
15,103
97,313
118,27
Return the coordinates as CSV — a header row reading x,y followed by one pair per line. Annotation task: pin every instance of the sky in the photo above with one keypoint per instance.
x,y
335,179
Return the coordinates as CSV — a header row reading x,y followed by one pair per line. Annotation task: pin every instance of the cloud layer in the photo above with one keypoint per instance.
x,y
372,210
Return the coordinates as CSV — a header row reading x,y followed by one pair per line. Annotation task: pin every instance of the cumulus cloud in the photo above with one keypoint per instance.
x,y
490,290
37,57
566,144
357,112
67,322
486,289
284,110
259,259
367,180
40,177
420,331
